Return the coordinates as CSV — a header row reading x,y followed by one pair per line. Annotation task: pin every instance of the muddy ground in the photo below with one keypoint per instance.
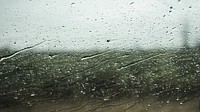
x,y
119,105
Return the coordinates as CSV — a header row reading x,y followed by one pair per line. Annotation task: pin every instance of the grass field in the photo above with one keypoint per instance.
x,y
29,77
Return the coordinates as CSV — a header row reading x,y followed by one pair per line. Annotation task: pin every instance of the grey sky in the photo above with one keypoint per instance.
x,y
88,24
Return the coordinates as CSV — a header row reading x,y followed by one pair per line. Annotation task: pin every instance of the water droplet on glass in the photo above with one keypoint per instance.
x,y
16,98
73,3
108,40
105,99
32,94
131,3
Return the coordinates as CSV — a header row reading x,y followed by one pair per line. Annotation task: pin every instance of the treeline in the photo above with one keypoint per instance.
x,y
104,75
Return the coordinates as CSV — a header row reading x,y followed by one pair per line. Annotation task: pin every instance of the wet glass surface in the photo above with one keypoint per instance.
x,y
99,56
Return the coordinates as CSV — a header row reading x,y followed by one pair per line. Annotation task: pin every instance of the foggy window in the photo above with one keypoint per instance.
x,y
99,56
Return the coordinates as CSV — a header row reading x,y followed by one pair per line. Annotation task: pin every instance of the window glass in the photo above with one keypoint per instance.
x,y
99,55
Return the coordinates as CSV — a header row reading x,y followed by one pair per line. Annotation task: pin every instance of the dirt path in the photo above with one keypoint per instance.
x,y
121,105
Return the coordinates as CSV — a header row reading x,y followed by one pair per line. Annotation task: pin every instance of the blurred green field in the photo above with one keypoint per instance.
x,y
165,74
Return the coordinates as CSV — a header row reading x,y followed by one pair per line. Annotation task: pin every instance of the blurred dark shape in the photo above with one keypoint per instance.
x,y
185,32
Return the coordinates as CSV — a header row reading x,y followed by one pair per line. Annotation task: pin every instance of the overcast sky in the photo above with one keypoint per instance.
x,y
97,24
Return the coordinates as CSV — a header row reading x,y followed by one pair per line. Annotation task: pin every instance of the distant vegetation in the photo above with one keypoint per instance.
x,y
169,74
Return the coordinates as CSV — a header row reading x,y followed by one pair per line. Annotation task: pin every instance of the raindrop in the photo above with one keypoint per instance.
x,y
16,98
108,40
32,94
82,92
29,104
73,3
173,28
94,89
132,3
105,99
